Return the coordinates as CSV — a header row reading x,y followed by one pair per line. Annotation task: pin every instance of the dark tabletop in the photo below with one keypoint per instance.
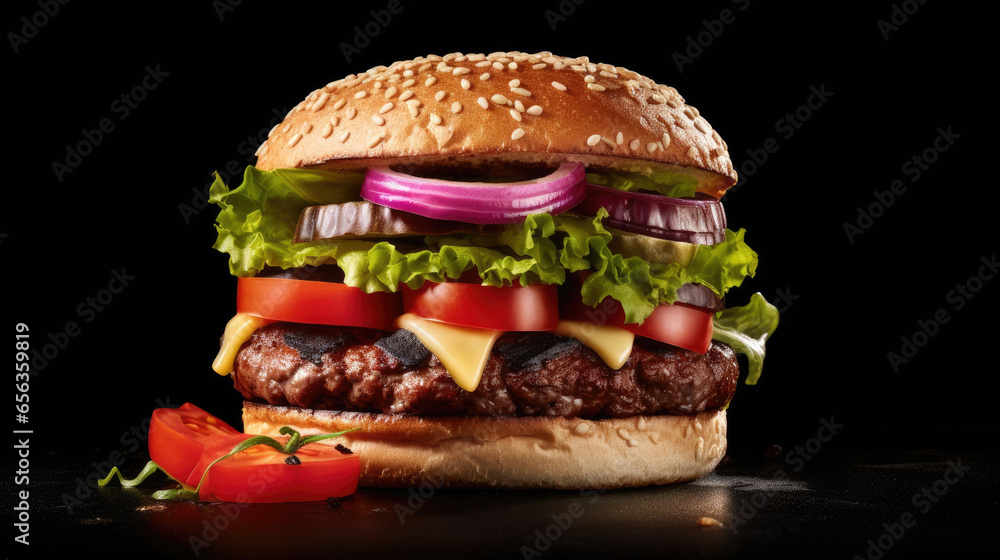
x,y
898,504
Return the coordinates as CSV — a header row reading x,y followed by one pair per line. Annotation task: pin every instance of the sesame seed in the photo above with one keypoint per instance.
x,y
595,87
412,108
658,99
700,125
456,107
651,147
424,66
692,152
519,106
334,120
607,74
261,148
538,66
375,141
558,86
518,132
594,140
386,108
484,76
273,128
483,103
295,140
435,119
430,81
483,63
321,101
360,94
339,104
589,79
512,66
498,65
665,140
378,85
408,83
351,113
440,95
390,92
535,110
521,91
499,99
634,145
461,70
514,83
286,127
466,84
307,128
408,74
378,120
327,130
405,95
620,138
516,114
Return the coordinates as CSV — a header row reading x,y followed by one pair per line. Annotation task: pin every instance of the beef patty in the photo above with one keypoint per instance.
x,y
528,374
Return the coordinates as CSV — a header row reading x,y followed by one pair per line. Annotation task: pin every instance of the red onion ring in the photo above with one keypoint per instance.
x,y
691,220
477,203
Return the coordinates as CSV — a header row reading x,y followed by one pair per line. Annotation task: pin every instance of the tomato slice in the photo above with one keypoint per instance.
x,y
184,441
321,303
260,474
510,308
677,324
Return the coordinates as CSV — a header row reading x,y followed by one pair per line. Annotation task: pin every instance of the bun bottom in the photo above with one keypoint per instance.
x,y
518,453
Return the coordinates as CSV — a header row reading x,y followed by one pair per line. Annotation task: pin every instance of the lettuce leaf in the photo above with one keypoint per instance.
x,y
746,329
256,224
667,183
257,220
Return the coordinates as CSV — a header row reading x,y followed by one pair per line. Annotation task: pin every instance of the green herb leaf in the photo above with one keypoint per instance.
x,y
312,439
150,468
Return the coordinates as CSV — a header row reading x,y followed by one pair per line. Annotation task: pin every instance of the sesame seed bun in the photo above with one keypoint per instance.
x,y
512,452
476,108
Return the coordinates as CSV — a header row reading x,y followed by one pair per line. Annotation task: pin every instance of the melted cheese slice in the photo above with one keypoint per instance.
x,y
612,344
463,351
238,331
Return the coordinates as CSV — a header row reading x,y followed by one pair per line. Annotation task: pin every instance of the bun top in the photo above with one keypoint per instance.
x,y
476,108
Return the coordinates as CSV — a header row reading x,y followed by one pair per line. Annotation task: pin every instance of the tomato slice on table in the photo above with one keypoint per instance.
x,y
509,308
185,441
315,302
677,324
181,440
261,475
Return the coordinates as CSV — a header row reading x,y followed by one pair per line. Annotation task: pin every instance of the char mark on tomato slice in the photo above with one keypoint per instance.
x,y
405,347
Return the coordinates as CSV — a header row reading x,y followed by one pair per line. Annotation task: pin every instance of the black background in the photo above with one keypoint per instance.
x,y
226,74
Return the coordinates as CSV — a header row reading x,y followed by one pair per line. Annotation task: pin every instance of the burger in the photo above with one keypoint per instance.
x,y
508,270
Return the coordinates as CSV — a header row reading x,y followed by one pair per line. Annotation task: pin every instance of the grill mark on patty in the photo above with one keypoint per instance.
x,y
312,345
